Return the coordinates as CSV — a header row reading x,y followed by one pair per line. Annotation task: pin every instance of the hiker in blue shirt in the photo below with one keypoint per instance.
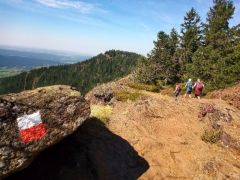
x,y
188,87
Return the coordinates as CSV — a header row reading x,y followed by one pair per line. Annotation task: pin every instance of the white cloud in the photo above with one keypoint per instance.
x,y
81,6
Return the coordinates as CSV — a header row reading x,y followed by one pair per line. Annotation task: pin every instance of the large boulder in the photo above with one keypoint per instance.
x,y
91,152
34,120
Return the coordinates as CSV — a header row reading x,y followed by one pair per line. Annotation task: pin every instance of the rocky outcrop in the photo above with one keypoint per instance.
x,y
104,94
34,120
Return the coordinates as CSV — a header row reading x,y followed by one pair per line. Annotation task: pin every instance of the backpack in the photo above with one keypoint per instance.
x,y
199,86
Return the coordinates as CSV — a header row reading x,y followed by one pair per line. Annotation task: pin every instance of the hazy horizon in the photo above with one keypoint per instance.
x,y
91,27
41,50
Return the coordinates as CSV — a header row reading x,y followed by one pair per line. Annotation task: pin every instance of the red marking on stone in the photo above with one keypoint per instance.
x,y
33,134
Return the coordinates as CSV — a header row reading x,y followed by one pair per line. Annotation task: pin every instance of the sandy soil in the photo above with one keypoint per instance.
x,y
167,134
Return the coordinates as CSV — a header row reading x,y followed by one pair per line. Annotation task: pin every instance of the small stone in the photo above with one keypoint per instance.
x,y
2,164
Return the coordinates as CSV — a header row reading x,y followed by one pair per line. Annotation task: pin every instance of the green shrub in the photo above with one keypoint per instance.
x,y
146,87
101,112
160,84
127,95
211,136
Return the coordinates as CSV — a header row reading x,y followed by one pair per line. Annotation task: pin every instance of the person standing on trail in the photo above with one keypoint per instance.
x,y
188,87
198,88
177,90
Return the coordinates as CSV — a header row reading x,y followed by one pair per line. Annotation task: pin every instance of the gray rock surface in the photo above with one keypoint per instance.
x,y
62,111
103,94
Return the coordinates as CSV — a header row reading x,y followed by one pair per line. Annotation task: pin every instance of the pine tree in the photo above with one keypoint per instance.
x,y
191,34
233,64
160,57
174,41
175,56
211,62
217,26
163,59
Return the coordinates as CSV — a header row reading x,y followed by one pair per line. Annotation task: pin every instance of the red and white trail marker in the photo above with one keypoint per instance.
x,y
31,127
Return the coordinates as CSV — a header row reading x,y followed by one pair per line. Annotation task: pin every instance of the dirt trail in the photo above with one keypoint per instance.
x,y
168,135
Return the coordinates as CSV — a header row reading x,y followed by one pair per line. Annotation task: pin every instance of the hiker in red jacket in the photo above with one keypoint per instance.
x,y
198,88
177,91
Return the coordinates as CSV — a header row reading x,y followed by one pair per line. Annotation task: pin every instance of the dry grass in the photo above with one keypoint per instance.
x,y
146,87
127,95
101,112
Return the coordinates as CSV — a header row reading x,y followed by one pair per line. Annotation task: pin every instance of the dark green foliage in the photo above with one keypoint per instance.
x,y
217,26
84,76
217,62
143,72
191,40
191,34
209,51
163,60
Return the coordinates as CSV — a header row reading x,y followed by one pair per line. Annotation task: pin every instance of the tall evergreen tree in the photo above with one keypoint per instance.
x,y
175,56
217,26
191,40
174,41
233,63
213,61
163,61
191,34
162,56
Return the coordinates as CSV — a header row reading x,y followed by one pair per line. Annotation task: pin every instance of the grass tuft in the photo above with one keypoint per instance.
x,y
101,112
127,95
146,87
211,136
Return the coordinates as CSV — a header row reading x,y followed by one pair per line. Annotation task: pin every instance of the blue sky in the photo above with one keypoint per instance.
x,y
94,26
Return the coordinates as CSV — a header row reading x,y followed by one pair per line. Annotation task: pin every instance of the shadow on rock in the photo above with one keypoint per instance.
x,y
92,152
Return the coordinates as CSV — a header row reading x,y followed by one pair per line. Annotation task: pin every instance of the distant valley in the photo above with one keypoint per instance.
x,y
14,61
84,76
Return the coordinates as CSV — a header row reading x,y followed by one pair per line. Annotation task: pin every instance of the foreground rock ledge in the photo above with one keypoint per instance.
x,y
62,111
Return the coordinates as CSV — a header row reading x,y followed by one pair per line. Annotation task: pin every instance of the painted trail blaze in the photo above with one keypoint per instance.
x,y
31,127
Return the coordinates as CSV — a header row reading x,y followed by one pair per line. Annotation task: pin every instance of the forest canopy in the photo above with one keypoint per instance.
x,y
84,75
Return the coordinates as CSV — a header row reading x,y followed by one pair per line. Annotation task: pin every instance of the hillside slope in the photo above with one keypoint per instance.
x,y
84,76
168,134
231,95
